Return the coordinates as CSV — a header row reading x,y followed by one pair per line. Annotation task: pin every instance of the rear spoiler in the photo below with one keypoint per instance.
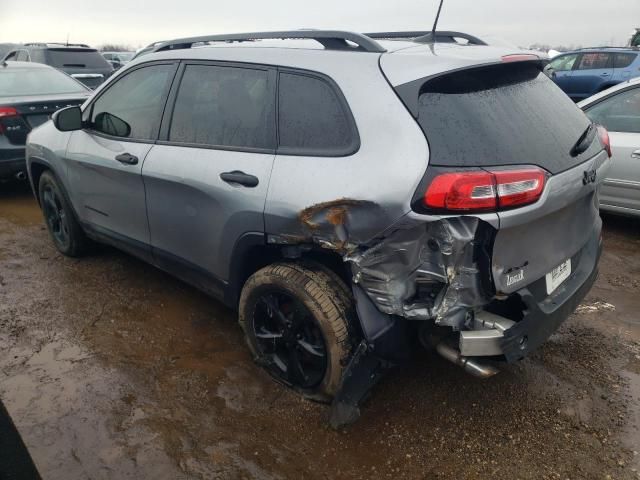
x,y
410,92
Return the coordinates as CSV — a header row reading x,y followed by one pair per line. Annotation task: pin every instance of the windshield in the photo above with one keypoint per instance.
x,y
16,82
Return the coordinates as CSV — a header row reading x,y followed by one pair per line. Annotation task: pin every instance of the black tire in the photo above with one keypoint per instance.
x,y
65,231
316,301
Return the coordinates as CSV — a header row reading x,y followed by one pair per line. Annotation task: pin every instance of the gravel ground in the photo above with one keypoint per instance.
x,y
112,369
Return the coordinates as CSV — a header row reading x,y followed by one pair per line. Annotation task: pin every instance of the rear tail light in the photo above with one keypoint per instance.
x,y
603,134
485,191
6,112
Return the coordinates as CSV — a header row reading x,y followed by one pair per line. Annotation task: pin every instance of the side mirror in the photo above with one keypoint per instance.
x,y
111,125
68,119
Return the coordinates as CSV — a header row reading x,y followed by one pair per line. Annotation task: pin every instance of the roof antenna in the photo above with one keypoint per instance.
x,y
68,32
435,24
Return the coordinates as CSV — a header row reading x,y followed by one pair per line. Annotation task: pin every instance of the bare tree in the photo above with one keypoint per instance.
x,y
114,47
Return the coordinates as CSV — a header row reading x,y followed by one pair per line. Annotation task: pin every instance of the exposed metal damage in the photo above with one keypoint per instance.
x,y
417,270
431,271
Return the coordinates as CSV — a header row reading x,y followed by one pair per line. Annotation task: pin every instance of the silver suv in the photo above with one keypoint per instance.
x,y
346,193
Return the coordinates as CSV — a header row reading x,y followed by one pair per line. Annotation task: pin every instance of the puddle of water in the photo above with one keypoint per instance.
x,y
18,205
65,404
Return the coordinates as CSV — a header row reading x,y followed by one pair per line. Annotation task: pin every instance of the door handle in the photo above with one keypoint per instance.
x,y
240,178
636,154
127,159
605,74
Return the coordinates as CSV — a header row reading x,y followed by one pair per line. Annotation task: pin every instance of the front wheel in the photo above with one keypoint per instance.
x,y
65,231
296,324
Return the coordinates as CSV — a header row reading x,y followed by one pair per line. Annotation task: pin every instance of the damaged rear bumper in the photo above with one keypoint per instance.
x,y
544,314
495,335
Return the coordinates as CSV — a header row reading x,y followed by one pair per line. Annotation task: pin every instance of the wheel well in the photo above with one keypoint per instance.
x,y
259,256
37,169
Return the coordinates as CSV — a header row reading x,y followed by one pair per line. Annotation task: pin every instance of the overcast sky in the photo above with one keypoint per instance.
x,y
138,22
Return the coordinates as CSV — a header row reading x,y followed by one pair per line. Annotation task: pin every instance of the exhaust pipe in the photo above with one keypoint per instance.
x,y
21,176
469,365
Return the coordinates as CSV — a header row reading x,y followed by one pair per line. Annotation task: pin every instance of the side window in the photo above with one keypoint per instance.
x,y
224,106
312,118
618,113
623,60
564,62
594,61
132,106
22,56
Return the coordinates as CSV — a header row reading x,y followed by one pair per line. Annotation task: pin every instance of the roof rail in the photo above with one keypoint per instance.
x,y
330,39
397,35
449,37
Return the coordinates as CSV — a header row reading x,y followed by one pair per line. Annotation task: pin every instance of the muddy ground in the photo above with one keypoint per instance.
x,y
113,369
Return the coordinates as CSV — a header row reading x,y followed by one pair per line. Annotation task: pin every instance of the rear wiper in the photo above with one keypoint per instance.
x,y
585,141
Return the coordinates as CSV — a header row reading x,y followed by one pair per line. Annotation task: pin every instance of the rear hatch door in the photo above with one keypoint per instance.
x,y
509,114
83,64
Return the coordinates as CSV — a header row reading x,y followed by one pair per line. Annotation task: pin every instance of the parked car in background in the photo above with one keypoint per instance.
x,y
29,94
586,72
78,60
312,167
618,109
118,59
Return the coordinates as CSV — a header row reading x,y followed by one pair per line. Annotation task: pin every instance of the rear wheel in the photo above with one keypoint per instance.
x,y
295,321
65,231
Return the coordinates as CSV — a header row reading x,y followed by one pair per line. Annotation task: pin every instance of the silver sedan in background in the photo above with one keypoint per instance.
x,y
618,109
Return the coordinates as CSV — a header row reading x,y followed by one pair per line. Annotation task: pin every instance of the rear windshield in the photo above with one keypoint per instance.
x,y
71,58
507,114
17,82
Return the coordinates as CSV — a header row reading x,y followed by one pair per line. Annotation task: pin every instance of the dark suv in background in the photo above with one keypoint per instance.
x,y
78,60
585,72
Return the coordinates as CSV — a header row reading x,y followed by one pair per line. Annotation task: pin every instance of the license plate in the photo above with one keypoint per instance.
x,y
557,276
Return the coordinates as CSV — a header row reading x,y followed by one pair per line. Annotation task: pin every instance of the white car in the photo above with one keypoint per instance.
x,y
618,109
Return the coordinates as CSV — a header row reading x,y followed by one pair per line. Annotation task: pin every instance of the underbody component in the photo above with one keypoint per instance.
x,y
384,345
470,365
362,373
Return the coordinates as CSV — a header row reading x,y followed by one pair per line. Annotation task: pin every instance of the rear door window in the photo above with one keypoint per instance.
x,y
132,106
595,61
313,118
618,113
564,63
224,106
623,60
